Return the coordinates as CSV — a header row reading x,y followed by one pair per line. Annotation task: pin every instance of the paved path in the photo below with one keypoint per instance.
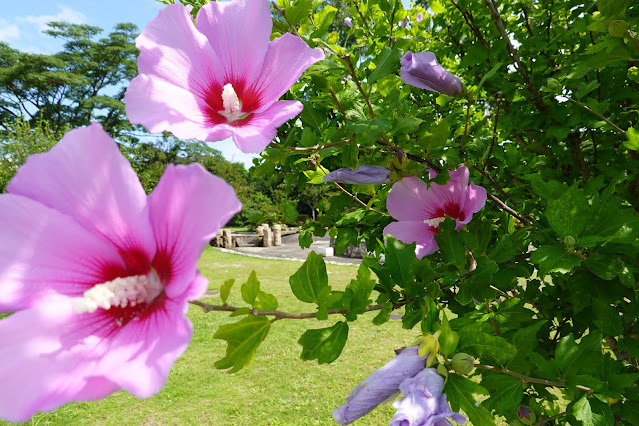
x,y
291,250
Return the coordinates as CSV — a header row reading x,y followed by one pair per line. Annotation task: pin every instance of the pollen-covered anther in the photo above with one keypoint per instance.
x,y
120,292
231,102
434,222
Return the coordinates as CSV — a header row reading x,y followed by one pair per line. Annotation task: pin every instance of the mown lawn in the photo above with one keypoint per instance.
x,y
277,388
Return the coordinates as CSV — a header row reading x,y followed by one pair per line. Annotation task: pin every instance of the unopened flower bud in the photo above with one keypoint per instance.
x,y
633,74
526,415
400,160
362,175
618,28
463,363
348,21
422,70
570,242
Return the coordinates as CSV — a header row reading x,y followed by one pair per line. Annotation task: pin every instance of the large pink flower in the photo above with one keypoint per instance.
x,y
97,273
219,78
420,209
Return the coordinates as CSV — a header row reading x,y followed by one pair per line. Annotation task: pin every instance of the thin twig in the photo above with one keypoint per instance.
x,y
337,102
361,15
527,379
471,24
495,184
390,33
492,142
613,125
283,13
633,39
354,197
466,126
549,419
316,147
411,156
508,210
515,56
347,58
279,314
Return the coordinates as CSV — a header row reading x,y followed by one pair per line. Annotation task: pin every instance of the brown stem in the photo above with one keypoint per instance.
x,y
279,314
337,102
574,140
613,125
466,126
493,323
356,3
495,184
347,58
633,39
314,148
515,56
354,197
492,142
526,21
528,379
390,33
471,24
549,419
283,13
508,210
411,156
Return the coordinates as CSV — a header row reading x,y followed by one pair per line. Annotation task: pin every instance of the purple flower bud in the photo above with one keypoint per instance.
x,y
362,175
423,402
348,21
420,16
422,70
379,386
404,22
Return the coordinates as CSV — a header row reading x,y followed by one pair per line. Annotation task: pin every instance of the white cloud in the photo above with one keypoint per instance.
x,y
66,14
8,32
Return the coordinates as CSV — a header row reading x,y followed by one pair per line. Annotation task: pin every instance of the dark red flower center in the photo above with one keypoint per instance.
x,y
221,106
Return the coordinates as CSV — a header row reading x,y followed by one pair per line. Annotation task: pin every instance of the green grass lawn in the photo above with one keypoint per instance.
x,y
277,388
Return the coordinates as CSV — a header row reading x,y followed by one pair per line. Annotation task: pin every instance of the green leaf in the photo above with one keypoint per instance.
x,y
358,292
289,212
459,391
387,63
433,137
608,318
554,259
605,266
368,131
592,412
309,279
569,214
436,7
478,344
297,12
568,353
477,238
243,338
350,153
448,339
323,19
324,344
630,411
250,289
632,135
450,244
225,290
265,301
406,125
506,392
399,258
383,315
489,74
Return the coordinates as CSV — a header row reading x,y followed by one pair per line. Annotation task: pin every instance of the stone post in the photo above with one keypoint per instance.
x,y
218,239
268,237
228,240
259,230
277,235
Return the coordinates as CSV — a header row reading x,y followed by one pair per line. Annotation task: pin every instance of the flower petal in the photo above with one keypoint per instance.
x,y
448,199
86,177
187,208
475,201
173,50
409,231
142,352
162,106
405,200
239,32
43,251
287,58
254,136
38,372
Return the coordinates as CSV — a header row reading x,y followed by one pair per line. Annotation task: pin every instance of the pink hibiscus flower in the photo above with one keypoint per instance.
x,y
219,78
97,273
420,209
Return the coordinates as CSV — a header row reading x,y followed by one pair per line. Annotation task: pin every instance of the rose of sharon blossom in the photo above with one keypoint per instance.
x,y
419,17
423,402
420,209
97,273
362,175
218,78
348,21
422,70
379,386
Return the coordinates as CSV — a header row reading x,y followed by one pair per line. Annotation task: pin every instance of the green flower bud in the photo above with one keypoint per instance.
x,y
462,363
526,415
570,242
618,28
429,346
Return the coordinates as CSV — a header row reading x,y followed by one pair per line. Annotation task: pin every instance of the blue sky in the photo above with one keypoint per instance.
x,y
21,25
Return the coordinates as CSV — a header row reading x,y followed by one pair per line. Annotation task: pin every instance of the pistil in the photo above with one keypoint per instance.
x,y
232,105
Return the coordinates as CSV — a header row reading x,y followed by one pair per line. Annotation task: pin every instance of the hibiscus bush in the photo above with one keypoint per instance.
x,y
485,153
